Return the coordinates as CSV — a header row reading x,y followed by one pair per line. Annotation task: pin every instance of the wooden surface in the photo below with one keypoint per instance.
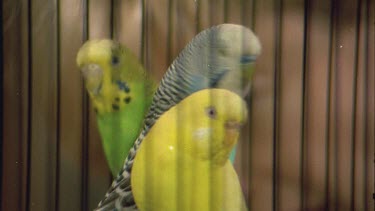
x,y
309,142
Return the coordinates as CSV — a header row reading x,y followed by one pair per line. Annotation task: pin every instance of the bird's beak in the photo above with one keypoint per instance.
x,y
93,76
233,125
232,131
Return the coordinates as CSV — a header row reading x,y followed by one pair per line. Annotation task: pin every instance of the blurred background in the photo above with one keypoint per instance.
x,y
309,142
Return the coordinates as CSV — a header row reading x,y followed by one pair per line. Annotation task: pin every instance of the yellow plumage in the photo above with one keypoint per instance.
x,y
182,164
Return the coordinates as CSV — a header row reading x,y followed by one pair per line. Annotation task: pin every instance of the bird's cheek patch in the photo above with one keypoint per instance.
x,y
202,142
202,134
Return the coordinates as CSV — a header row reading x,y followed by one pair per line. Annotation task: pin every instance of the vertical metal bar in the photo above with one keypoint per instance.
x,y
249,100
354,106
170,31
276,106
112,19
44,111
179,38
15,110
26,128
361,152
242,11
370,107
252,23
85,16
263,110
372,5
226,6
365,106
345,68
331,167
85,117
29,95
58,85
144,43
1,100
243,162
146,63
197,16
304,116
316,96
211,11
290,103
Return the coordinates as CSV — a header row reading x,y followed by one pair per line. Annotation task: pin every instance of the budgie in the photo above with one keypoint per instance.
x,y
120,91
222,56
183,163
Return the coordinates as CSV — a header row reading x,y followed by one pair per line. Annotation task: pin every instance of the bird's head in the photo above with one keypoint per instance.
x,y
108,68
235,49
214,119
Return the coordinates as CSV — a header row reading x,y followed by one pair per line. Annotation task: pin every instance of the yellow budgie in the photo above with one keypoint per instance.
x,y
182,164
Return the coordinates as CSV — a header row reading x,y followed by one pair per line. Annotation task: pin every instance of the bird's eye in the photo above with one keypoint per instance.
x,y
211,112
115,60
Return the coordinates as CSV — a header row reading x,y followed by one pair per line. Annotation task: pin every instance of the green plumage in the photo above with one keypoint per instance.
x,y
119,128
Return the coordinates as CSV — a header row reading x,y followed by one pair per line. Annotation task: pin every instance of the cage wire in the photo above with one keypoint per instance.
x,y
309,140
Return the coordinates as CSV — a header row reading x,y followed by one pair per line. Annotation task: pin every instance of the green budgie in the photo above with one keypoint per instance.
x,y
219,57
120,91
